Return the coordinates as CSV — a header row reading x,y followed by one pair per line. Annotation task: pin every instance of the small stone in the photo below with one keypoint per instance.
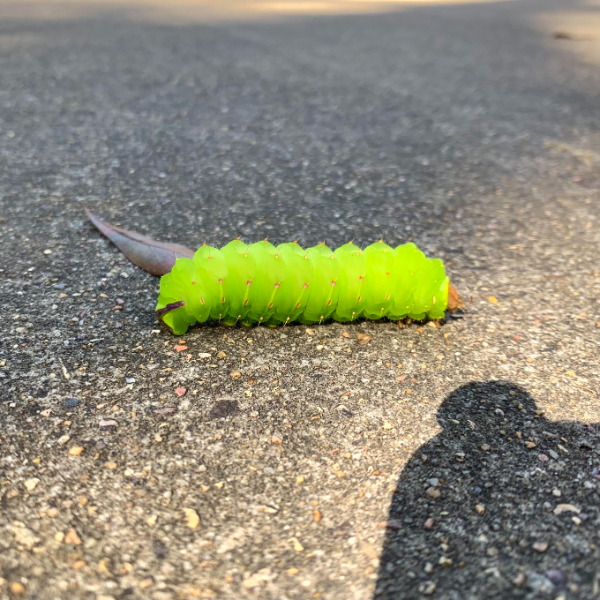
x,y
556,492
23,535
561,508
310,332
63,439
221,355
235,374
72,538
193,520
480,509
530,445
428,568
108,423
30,484
485,447
180,391
71,402
219,485
257,579
427,588
79,564
151,520
180,348
75,450
392,524
109,464
363,339
576,520
300,479
520,579
16,588
445,561
275,439
104,567
543,458
293,571
298,547
557,577
433,492
540,547
430,523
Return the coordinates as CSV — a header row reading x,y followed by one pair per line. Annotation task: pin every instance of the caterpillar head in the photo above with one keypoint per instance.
x,y
183,299
455,300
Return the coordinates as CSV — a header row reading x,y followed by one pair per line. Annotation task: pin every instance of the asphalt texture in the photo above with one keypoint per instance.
x,y
453,462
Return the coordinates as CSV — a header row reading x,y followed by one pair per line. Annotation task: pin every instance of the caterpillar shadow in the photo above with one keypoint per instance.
x,y
505,489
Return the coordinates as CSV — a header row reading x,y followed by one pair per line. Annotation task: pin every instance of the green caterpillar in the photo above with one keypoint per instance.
x,y
275,285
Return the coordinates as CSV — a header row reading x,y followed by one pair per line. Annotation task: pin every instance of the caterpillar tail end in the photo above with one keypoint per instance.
x,y
455,300
162,312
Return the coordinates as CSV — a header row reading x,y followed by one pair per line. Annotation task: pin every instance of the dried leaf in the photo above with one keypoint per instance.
x,y
157,258
363,339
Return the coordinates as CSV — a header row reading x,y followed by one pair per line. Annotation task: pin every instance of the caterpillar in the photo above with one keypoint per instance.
x,y
274,285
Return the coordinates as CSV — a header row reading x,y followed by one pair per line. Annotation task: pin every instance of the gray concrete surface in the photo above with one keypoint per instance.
x,y
293,465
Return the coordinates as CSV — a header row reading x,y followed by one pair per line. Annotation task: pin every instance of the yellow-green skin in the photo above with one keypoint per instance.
x,y
261,283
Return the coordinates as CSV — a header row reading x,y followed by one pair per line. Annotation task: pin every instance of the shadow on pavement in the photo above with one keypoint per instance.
x,y
504,488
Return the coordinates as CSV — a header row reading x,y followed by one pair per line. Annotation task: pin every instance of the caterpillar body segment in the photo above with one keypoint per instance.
x,y
274,285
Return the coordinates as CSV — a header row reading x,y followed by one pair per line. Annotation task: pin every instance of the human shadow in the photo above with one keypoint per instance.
x,y
501,504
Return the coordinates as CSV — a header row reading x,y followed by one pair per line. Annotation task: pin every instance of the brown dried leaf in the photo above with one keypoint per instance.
x,y
157,258
363,339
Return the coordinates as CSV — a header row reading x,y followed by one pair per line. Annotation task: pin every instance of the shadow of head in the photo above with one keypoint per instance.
x,y
491,500
488,405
